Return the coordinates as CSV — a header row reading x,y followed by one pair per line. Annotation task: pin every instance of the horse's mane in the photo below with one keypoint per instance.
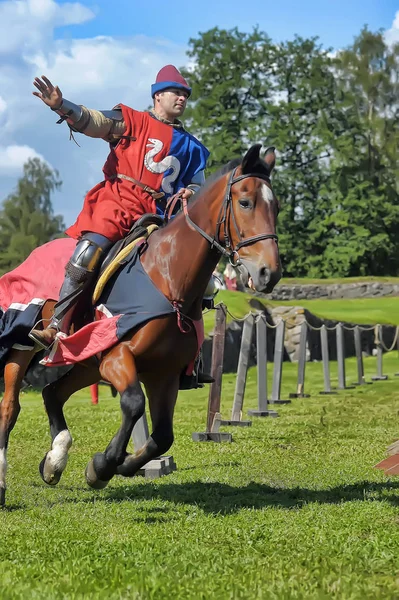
x,y
259,168
232,164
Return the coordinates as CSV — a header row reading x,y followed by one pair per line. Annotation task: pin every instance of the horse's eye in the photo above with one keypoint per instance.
x,y
244,203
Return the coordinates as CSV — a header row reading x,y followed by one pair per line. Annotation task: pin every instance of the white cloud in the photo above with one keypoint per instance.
x,y
98,72
392,34
29,24
3,105
13,158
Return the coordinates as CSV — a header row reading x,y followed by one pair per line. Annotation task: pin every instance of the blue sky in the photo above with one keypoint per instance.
x,y
336,22
104,52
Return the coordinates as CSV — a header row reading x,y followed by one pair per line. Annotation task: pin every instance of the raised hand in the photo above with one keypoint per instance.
x,y
50,94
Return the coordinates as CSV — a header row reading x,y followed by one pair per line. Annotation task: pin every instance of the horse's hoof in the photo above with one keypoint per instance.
x,y
91,477
2,497
48,475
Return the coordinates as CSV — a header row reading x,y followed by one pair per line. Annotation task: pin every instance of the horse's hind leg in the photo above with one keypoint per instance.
x,y
119,369
162,394
55,395
14,372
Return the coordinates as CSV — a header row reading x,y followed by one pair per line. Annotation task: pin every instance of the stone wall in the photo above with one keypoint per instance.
x,y
335,290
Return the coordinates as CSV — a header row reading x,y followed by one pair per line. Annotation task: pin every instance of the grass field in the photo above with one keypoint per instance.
x,y
357,310
335,280
291,509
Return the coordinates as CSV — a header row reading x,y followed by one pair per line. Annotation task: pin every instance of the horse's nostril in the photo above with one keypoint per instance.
x,y
264,274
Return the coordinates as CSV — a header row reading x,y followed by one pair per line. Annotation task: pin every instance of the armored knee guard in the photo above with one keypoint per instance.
x,y
79,273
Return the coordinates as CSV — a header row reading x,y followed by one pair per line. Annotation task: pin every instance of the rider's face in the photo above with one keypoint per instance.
x,y
171,102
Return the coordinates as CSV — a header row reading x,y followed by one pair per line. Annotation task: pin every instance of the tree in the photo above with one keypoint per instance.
x,y
335,124
302,121
229,82
27,218
364,172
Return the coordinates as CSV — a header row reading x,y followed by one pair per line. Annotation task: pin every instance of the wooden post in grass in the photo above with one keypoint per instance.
x,y
278,365
261,361
380,376
326,361
300,386
214,418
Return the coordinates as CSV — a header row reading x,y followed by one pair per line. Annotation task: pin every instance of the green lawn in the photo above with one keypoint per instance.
x,y
358,310
333,280
291,509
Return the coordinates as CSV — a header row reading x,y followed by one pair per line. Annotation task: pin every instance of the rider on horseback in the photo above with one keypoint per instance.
x,y
134,183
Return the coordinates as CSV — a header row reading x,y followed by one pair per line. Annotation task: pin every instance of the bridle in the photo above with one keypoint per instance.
x,y
226,213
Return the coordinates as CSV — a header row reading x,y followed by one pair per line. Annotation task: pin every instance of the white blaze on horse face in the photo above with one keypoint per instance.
x,y
3,467
267,193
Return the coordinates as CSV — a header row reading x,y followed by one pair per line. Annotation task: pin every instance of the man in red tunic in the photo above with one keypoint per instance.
x,y
152,157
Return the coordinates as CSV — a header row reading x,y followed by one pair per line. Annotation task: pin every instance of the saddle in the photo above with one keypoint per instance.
x,y
122,250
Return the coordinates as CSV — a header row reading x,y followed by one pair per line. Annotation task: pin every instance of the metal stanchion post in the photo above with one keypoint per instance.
x,y
242,370
278,365
359,357
158,467
326,361
380,376
261,354
341,359
300,388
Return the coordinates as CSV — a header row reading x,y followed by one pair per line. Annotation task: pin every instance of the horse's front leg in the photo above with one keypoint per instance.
x,y
119,368
162,393
55,395
14,372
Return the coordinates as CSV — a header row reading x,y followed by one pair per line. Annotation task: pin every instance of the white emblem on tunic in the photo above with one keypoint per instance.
x,y
169,162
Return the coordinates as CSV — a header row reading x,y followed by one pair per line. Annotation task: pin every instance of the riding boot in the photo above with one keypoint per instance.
x,y
79,275
197,378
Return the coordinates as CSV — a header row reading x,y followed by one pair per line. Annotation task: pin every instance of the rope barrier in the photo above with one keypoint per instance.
x,y
290,320
378,339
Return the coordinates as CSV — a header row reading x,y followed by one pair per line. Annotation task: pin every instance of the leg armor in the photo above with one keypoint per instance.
x,y
79,273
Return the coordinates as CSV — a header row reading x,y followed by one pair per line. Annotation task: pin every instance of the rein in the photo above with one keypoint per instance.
x,y
225,213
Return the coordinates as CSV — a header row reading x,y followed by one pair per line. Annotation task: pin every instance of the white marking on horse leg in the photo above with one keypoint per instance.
x,y
3,467
267,193
57,458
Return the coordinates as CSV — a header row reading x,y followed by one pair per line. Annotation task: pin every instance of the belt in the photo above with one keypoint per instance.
x,y
156,195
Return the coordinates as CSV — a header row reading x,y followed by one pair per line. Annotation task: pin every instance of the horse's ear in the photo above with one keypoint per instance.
x,y
250,159
270,158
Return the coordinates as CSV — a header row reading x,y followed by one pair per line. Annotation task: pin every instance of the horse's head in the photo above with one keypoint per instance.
x,y
248,220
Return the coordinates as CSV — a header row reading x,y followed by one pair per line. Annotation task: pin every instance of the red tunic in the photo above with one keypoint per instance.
x,y
112,206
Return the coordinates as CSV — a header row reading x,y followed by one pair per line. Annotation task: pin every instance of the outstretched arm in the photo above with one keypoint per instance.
x,y
107,125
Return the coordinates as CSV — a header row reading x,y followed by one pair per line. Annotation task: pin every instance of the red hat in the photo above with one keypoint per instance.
x,y
169,77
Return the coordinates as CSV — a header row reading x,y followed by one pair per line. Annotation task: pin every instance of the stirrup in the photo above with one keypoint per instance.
x,y
203,377
39,340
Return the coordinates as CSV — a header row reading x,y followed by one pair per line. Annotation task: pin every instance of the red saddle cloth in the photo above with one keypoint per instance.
x,y
39,277
25,289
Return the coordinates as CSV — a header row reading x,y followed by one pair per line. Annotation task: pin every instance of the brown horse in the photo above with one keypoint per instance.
x,y
234,214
